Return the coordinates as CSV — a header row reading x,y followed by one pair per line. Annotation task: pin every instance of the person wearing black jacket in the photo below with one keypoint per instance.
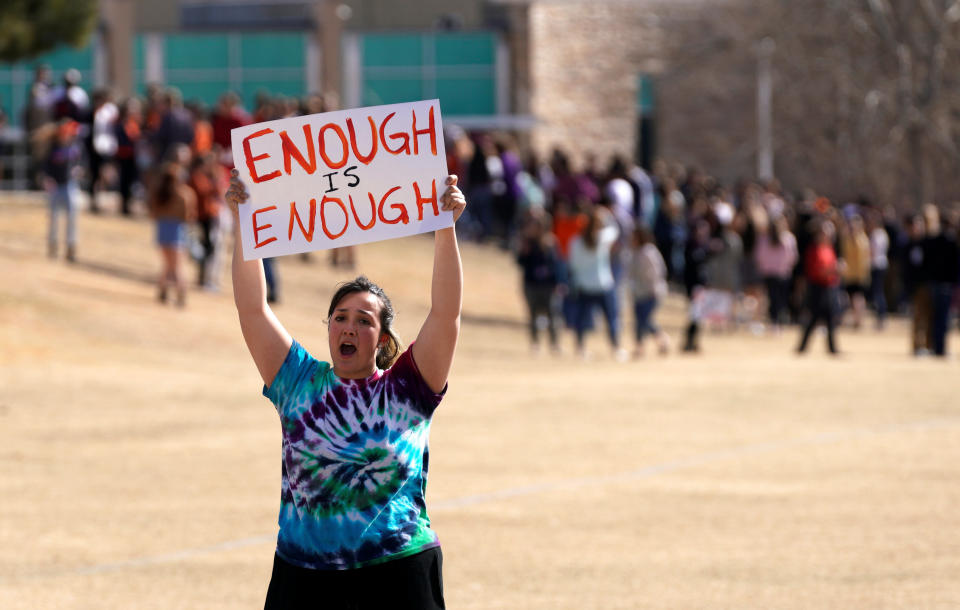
x,y
539,259
696,254
940,255
915,283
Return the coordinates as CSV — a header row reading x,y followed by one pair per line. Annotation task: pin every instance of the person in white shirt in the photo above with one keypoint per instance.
x,y
592,276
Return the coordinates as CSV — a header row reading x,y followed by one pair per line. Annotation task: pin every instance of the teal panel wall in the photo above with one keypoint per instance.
x,y
459,68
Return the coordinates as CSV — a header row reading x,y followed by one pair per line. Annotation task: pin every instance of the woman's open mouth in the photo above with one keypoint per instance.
x,y
347,349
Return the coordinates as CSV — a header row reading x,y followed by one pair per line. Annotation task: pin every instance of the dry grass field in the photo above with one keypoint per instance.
x,y
139,465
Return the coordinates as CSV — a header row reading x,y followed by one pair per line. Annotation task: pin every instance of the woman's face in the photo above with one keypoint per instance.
x,y
354,334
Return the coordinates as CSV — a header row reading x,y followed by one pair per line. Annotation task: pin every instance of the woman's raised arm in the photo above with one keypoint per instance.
x,y
267,339
437,341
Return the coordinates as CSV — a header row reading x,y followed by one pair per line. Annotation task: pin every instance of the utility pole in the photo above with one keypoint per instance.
x,y
765,51
328,29
117,24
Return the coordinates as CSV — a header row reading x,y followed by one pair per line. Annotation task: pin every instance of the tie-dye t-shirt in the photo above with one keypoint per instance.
x,y
354,463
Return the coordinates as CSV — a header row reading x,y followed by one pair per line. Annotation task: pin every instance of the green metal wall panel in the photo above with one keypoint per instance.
x,y
392,50
466,96
204,66
196,52
378,91
465,49
458,68
272,50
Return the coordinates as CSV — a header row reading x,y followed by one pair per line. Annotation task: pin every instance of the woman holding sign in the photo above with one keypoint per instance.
x,y
354,531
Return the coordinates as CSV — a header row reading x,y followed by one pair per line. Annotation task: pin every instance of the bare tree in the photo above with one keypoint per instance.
x,y
863,100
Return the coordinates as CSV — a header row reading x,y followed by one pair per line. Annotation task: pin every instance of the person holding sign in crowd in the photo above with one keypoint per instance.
x,y
354,531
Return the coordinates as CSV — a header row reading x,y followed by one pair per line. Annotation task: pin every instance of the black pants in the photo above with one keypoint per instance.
x,y
129,174
778,295
878,295
540,301
208,230
820,300
410,583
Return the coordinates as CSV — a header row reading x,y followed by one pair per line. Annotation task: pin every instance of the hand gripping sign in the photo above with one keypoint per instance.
x,y
341,178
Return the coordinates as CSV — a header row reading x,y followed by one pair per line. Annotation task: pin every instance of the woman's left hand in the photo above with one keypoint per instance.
x,y
453,199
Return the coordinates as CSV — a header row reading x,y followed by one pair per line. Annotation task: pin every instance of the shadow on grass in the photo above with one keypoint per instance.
x,y
117,271
491,321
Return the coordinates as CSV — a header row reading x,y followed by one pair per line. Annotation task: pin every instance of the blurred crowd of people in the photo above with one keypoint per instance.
x,y
162,156
588,234
617,238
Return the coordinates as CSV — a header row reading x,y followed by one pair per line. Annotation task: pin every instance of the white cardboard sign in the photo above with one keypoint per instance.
x,y
341,178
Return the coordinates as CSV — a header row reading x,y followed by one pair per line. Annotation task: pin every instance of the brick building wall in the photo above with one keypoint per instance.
x,y
585,59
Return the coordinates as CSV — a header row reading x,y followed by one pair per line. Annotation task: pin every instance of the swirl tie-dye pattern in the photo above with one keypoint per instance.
x,y
355,462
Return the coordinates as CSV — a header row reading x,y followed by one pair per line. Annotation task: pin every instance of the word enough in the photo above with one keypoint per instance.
x,y
335,218
335,145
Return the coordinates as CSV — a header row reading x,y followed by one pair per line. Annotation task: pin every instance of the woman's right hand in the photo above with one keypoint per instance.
x,y
236,193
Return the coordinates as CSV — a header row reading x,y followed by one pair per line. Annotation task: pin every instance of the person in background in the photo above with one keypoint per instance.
x,y
37,120
101,144
533,197
202,129
228,115
70,101
506,204
940,249
539,259
60,181
172,205
752,217
619,251
896,229
916,275
724,266
823,276
647,273
697,253
568,222
879,263
572,184
776,255
644,188
487,184
670,228
592,277
176,125
855,251
129,141
620,192
208,181
272,278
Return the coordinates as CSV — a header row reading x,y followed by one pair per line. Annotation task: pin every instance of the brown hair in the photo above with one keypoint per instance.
x,y
386,352
592,228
